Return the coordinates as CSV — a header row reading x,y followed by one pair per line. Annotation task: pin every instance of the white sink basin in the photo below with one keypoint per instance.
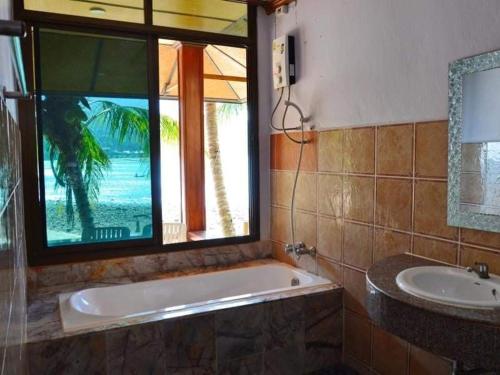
x,y
451,286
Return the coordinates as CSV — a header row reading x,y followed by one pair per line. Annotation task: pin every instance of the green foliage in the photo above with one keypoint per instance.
x,y
67,126
169,129
124,123
228,110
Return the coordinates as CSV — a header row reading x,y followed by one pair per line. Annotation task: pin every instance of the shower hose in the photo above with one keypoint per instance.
x,y
302,141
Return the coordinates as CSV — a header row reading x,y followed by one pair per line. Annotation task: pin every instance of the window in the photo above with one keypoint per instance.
x,y
221,208
215,16
116,10
140,143
94,121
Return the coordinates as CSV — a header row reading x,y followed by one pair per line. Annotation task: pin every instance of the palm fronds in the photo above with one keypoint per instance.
x,y
124,122
169,129
227,110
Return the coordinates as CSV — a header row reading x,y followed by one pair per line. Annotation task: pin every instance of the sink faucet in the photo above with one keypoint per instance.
x,y
300,249
481,269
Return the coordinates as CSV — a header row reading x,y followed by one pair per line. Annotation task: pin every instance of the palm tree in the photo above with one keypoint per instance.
x,y
225,110
77,159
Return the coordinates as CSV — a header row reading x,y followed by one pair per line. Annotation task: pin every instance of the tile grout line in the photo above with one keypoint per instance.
x,y
354,174
459,249
342,207
375,169
317,202
413,186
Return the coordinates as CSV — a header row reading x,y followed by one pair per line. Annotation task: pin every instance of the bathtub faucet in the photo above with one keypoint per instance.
x,y
300,249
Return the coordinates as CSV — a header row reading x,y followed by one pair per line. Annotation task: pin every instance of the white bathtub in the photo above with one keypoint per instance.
x,y
185,295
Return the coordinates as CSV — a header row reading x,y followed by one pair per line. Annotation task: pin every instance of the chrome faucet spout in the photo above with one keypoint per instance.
x,y
481,269
300,249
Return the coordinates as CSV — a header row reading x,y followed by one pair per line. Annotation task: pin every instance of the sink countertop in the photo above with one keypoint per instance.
x,y
382,277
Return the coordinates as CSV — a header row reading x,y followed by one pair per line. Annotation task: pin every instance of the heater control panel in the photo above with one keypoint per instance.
x,y
283,61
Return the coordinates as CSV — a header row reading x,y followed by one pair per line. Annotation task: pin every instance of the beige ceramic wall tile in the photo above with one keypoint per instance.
x,y
280,224
358,198
389,243
394,203
306,194
395,150
285,153
470,255
330,238
330,195
355,291
434,249
478,237
431,209
279,253
359,150
281,187
330,151
332,271
358,245
305,229
431,149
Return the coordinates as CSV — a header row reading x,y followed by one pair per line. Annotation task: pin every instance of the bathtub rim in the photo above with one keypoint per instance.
x,y
72,320
305,273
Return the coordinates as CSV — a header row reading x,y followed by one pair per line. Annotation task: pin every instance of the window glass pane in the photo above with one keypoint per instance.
x,y
226,154
117,10
215,16
96,162
226,142
174,229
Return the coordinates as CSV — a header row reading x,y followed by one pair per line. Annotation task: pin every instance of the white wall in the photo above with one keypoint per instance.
x,y
383,61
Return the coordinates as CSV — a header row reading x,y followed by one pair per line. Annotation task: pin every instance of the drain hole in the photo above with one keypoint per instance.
x,y
295,281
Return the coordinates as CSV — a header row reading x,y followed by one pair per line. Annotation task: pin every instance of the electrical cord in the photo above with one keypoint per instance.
x,y
276,108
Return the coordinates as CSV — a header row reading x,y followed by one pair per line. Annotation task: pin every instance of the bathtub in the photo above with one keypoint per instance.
x,y
178,296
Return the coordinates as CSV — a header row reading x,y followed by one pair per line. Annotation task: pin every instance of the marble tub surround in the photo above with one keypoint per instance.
x,y
12,248
367,193
295,335
137,267
44,319
470,336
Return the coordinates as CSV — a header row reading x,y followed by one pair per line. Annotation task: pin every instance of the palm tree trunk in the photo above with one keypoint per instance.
x,y
66,137
216,167
75,179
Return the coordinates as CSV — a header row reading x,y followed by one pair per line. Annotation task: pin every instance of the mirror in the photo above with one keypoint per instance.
x,y
474,137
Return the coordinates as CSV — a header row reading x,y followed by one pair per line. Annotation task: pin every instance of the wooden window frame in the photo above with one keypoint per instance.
x,y
38,251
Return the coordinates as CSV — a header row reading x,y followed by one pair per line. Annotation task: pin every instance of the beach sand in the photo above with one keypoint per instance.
x,y
105,215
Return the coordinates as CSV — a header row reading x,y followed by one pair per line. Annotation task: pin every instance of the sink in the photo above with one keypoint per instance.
x,y
451,286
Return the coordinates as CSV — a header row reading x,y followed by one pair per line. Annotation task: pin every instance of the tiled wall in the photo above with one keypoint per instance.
x,y
364,194
12,249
